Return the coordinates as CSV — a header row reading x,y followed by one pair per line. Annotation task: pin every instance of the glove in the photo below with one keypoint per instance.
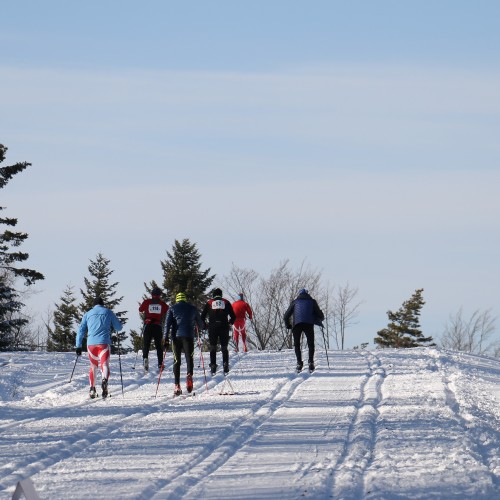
x,y
288,326
78,351
166,344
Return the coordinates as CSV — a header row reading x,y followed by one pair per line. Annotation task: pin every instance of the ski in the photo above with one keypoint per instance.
x,y
181,397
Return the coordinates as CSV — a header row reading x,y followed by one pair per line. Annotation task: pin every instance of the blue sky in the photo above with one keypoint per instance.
x,y
361,137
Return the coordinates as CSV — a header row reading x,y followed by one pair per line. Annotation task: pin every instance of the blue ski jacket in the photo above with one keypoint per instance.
x,y
182,319
304,310
97,323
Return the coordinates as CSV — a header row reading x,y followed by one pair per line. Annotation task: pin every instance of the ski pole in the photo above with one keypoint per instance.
x,y
324,342
201,356
74,366
120,363
137,353
161,371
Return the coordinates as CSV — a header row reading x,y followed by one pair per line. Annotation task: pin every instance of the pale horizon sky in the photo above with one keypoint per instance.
x,y
360,137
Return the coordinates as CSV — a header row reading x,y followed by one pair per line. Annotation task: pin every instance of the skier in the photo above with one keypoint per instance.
x,y
306,313
182,320
241,310
97,324
153,312
220,317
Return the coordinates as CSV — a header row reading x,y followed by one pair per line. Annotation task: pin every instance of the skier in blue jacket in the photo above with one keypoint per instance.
x,y
96,324
182,320
306,313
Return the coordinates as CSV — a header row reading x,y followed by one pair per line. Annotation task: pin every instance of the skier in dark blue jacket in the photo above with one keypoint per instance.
x,y
182,320
306,313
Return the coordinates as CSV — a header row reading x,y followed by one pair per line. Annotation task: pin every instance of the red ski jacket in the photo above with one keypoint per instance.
x,y
241,308
154,311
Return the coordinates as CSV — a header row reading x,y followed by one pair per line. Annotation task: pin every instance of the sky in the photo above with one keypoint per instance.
x,y
391,424
358,137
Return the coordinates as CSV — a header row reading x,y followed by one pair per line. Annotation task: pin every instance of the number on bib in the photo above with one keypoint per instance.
x,y
218,304
154,309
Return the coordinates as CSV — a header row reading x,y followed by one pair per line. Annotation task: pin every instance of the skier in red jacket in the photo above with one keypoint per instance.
x,y
153,312
241,310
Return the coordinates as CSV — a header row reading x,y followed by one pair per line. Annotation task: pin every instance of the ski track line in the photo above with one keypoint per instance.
x,y
70,406
66,448
472,433
347,480
190,475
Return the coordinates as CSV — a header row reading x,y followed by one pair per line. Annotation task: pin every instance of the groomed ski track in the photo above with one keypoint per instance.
x,y
377,424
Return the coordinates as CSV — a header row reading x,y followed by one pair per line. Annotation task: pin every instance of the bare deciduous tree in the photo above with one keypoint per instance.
x,y
470,335
345,311
270,297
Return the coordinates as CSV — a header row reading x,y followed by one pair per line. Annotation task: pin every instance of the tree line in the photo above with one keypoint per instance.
x,y
269,296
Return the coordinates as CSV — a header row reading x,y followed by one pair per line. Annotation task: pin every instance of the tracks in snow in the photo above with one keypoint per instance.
x,y
347,480
209,461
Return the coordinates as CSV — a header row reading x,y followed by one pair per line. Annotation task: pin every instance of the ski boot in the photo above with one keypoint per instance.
x,y
226,368
299,366
177,390
311,367
213,369
104,387
146,364
189,383
92,393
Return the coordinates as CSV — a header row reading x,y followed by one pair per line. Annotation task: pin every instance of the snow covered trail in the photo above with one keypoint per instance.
x,y
390,424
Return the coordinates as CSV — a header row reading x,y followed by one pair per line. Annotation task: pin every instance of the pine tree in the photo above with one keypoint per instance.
x,y
99,286
63,337
403,329
182,273
10,306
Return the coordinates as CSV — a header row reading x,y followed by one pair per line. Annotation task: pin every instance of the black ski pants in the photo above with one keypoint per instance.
x,y
152,331
180,344
218,334
297,331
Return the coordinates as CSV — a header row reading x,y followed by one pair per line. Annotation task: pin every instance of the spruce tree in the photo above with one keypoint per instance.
x,y
10,306
63,337
182,273
403,329
98,285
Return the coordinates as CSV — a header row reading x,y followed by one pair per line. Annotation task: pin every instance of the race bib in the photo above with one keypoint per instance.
x,y
218,304
154,309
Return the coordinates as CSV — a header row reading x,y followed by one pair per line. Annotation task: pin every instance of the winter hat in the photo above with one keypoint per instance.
x,y
98,301
303,291
156,292
240,296
180,297
217,292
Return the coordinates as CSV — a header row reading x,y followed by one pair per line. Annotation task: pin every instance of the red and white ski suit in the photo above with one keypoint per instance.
x,y
241,309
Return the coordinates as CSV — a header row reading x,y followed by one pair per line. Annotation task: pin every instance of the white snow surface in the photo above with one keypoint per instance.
x,y
387,424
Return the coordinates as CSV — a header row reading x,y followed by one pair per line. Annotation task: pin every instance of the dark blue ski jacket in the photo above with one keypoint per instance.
x,y
304,310
182,319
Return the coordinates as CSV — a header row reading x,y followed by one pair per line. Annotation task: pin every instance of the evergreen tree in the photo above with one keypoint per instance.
x,y
182,273
11,320
403,329
98,285
63,337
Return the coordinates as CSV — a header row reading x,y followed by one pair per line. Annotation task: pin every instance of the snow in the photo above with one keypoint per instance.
x,y
386,424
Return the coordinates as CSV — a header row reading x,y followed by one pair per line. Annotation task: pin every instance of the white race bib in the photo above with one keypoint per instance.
x,y
218,304
154,309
